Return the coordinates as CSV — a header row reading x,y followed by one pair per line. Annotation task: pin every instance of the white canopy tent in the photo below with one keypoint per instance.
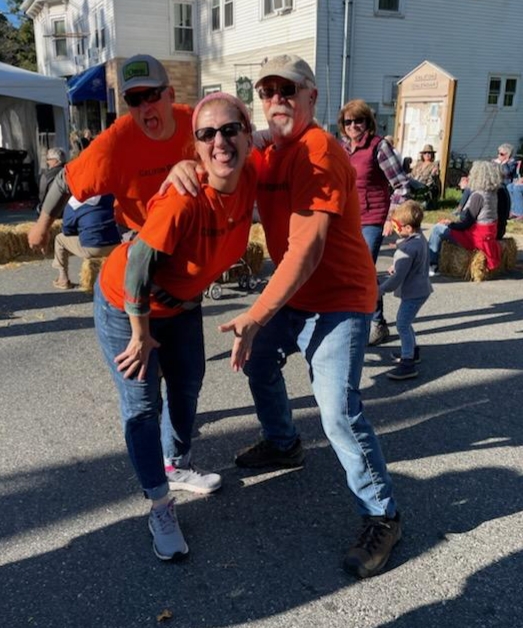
x,y
20,92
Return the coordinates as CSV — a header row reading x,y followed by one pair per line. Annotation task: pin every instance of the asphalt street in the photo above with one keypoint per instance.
x,y
266,551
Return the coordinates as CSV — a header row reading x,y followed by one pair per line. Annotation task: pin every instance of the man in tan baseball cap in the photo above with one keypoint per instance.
x,y
319,301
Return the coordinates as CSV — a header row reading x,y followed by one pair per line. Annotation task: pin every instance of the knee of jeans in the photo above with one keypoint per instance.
x,y
265,366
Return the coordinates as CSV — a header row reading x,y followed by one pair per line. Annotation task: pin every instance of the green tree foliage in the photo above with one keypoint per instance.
x,y
17,46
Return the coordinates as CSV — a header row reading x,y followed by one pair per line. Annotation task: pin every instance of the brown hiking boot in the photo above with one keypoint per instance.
x,y
369,555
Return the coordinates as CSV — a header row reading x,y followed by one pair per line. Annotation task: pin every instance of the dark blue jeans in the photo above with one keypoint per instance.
x,y
182,362
373,235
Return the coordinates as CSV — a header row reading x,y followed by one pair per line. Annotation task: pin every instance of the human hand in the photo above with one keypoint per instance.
x,y
444,221
136,356
183,176
387,228
390,270
245,329
38,238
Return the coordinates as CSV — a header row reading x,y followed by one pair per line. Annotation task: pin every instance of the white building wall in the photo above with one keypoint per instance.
x,y
468,39
231,53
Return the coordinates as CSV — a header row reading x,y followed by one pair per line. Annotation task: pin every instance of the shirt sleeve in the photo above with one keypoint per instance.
x,y
402,265
392,168
469,215
142,262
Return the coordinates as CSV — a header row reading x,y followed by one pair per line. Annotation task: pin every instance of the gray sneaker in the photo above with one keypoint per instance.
x,y
168,541
192,480
379,333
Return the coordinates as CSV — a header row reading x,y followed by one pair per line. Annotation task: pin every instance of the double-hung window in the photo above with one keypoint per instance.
x,y
59,38
271,7
222,14
182,20
502,91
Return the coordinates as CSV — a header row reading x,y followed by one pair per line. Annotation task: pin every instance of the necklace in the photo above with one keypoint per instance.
x,y
228,217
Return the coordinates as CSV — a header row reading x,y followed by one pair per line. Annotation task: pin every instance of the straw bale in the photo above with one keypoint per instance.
x,y
14,245
254,257
472,265
257,234
89,272
454,260
509,254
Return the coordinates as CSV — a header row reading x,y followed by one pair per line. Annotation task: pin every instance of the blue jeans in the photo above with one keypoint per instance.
x,y
407,312
373,235
515,191
181,359
333,345
438,233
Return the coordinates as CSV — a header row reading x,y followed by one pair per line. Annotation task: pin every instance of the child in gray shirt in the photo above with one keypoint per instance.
x,y
409,280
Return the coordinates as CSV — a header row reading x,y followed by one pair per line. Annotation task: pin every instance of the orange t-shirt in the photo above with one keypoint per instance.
x,y
314,173
202,236
124,162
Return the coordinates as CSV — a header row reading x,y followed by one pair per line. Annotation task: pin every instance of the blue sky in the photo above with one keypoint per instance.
x,y
3,9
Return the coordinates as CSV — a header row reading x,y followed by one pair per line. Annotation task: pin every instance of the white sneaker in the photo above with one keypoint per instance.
x,y
168,541
433,270
192,480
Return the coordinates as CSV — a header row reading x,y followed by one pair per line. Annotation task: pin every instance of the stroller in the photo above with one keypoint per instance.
x,y
241,272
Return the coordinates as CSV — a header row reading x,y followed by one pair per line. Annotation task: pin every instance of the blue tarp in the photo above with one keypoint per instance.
x,y
89,85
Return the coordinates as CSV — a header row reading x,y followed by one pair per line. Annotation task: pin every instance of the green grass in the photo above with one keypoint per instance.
x,y
450,201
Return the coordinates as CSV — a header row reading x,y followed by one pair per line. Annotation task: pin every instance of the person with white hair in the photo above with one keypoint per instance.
x,y
55,160
478,224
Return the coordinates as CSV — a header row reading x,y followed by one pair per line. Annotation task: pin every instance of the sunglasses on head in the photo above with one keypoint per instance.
x,y
151,95
349,121
208,133
286,90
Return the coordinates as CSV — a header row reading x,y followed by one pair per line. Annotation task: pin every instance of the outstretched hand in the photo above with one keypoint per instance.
x,y
245,329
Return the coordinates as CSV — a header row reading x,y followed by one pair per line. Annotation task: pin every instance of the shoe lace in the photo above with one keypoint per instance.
x,y
371,534
262,446
165,518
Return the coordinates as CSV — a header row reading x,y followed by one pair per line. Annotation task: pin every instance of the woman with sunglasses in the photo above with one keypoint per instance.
x,y
147,302
378,169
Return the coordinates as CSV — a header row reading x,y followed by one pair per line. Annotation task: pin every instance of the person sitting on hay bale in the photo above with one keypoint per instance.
x,y
478,224
88,230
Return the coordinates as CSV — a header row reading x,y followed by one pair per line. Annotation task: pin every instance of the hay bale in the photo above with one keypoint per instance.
x,y
509,254
257,234
89,272
472,265
254,257
478,270
454,260
14,244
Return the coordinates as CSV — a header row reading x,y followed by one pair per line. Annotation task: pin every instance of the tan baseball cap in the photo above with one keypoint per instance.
x,y
142,71
290,67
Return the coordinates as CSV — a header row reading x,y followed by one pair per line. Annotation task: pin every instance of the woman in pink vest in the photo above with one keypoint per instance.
x,y
381,183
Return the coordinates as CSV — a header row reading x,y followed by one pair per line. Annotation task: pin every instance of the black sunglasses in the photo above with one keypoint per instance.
x,y
151,95
287,90
349,121
208,133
